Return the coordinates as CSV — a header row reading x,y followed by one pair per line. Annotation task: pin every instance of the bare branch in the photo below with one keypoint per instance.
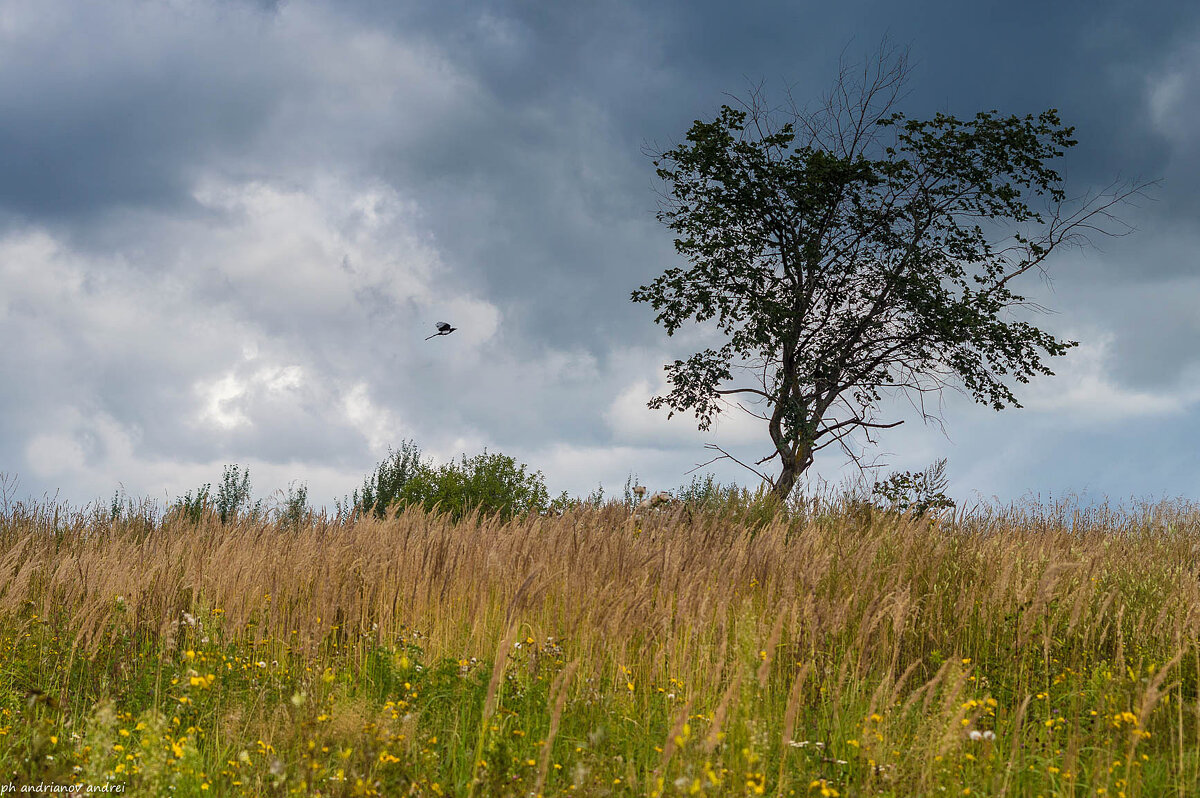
x,y
724,455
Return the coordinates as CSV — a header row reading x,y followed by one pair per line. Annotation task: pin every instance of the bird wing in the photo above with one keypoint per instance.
x,y
443,326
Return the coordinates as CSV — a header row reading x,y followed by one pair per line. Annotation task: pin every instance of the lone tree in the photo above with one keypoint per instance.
x,y
851,252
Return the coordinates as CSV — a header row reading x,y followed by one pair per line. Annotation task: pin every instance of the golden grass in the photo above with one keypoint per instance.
x,y
820,623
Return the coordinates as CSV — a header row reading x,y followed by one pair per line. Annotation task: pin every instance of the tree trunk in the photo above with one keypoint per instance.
x,y
782,488
793,467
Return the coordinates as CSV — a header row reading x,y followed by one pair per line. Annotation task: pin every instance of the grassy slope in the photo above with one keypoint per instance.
x,y
851,653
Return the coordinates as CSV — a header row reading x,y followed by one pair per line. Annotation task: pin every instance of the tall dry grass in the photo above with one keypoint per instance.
x,y
847,613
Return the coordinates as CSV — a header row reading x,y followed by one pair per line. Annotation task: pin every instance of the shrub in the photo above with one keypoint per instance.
x,y
386,486
233,495
191,508
294,510
492,483
232,500
916,492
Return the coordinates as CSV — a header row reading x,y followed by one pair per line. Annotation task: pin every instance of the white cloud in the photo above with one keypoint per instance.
x,y
54,455
376,424
238,328
1083,391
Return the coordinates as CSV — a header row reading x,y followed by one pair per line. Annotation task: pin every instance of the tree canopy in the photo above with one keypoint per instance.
x,y
851,251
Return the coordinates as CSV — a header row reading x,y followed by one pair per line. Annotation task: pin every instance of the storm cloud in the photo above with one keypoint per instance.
x,y
226,228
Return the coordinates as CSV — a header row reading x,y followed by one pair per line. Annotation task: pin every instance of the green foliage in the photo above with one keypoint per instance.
x,y
233,495
233,499
853,252
916,492
192,508
753,508
706,493
493,484
294,510
386,486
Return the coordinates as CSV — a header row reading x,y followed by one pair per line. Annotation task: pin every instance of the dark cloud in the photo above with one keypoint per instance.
x,y
226,225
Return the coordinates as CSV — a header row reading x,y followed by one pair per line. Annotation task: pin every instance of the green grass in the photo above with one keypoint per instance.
x,y
852,653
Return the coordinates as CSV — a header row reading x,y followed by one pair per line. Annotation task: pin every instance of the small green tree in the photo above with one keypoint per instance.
x,y
233,495
851,252
294,509
386,485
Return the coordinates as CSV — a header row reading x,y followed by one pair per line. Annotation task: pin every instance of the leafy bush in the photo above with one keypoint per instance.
x,y
192,508
294,509
494,484
387,485
916,492
232,499
233,495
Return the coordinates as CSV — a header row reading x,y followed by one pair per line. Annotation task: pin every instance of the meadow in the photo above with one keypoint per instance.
x,y
826,650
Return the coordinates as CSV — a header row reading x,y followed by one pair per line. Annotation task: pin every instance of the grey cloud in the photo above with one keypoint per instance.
x,y
509,142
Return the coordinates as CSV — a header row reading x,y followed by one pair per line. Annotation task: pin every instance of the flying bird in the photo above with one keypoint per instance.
x,y
443,329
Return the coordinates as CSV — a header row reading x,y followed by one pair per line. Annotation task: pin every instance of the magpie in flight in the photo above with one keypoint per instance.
x,y
443,329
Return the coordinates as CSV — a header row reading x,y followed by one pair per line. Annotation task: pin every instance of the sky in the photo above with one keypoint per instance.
x,y
226,227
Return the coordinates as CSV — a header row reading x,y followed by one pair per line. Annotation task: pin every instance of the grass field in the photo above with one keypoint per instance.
x,y
846,652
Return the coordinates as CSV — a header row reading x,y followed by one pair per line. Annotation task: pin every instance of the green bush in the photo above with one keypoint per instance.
x,y
492,483
192,508
916,492
233,495
232,499
387,485
294,510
